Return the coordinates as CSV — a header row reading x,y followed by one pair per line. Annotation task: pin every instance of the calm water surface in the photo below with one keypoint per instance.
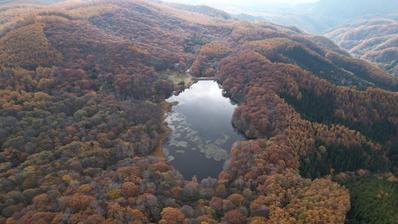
x,y
202,132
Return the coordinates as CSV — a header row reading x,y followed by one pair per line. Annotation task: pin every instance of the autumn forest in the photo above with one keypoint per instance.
x,y
82,114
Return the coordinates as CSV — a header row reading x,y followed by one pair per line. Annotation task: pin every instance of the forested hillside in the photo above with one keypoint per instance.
x,y
82,90
375,40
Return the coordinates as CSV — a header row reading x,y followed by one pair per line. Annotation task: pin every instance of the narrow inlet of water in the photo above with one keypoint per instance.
x,y
201,130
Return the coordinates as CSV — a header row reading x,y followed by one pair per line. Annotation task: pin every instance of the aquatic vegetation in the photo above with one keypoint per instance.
x,y
193,132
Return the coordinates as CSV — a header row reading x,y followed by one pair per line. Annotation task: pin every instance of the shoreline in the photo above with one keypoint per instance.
x,y
166,131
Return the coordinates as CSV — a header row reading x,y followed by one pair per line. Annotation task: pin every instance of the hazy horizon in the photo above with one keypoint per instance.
x,y
241,2
239,6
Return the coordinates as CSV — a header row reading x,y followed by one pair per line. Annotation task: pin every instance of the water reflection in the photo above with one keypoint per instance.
x,y
202,133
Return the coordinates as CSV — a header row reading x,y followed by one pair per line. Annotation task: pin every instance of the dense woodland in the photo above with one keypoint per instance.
x,y
82,89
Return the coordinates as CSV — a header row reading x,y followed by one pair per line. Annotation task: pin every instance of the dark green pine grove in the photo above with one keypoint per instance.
x,y
338,158
373,200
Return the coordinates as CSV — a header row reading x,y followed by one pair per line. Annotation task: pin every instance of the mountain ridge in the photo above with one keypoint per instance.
x,y
374,40
325,15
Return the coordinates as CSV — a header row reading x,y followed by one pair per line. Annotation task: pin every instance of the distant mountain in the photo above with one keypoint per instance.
x,y
29,1
306,23
347,9
318,17
375,40
203,9
322,16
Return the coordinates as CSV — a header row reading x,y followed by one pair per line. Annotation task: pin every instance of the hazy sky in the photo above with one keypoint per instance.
x,y
241,2
243,5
